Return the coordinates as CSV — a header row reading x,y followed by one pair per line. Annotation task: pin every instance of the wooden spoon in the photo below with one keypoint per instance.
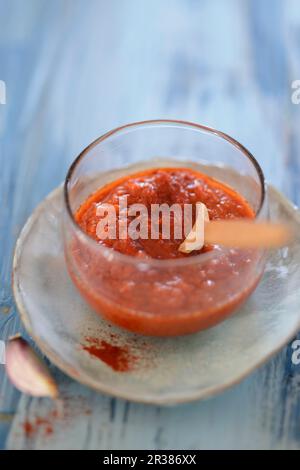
x,y
245,233
237,233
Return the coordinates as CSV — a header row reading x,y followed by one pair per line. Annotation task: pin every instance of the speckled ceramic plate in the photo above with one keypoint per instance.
x,y
165,371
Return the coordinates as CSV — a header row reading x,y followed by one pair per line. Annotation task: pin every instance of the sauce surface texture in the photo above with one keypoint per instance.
x,y
161,186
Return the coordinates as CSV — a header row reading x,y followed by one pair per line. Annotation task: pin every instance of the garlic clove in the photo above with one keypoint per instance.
x,y
195,238
27,371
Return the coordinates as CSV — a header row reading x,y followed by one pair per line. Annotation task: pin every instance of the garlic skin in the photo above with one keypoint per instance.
x,y
27,371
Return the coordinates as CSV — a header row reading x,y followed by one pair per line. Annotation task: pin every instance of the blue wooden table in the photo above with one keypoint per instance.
x,y
74,69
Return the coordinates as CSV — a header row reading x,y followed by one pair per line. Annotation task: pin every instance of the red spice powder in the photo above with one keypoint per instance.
x,y
61,415
29,429
48,430
119,358
32,427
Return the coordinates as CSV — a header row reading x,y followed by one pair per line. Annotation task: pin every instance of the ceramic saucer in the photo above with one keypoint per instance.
x,y
165,371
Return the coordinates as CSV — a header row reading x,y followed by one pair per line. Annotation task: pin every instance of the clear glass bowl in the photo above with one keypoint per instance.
x,y
151,296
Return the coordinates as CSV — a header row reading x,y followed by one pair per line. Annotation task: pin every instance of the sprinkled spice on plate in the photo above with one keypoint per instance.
x,y
38,424
119,358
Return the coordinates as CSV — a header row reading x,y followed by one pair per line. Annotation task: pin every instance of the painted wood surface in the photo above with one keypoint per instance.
x,y
74,69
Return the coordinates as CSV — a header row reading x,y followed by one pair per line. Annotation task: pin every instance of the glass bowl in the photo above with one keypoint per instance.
x,y
152,296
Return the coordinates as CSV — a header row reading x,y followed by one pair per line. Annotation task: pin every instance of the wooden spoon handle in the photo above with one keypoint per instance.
x,y
247,234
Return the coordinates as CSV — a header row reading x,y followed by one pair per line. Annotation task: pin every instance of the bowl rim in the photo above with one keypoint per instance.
x,y
108,252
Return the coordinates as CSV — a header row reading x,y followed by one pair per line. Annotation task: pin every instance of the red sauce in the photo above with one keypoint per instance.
x,y
158,186
163,300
